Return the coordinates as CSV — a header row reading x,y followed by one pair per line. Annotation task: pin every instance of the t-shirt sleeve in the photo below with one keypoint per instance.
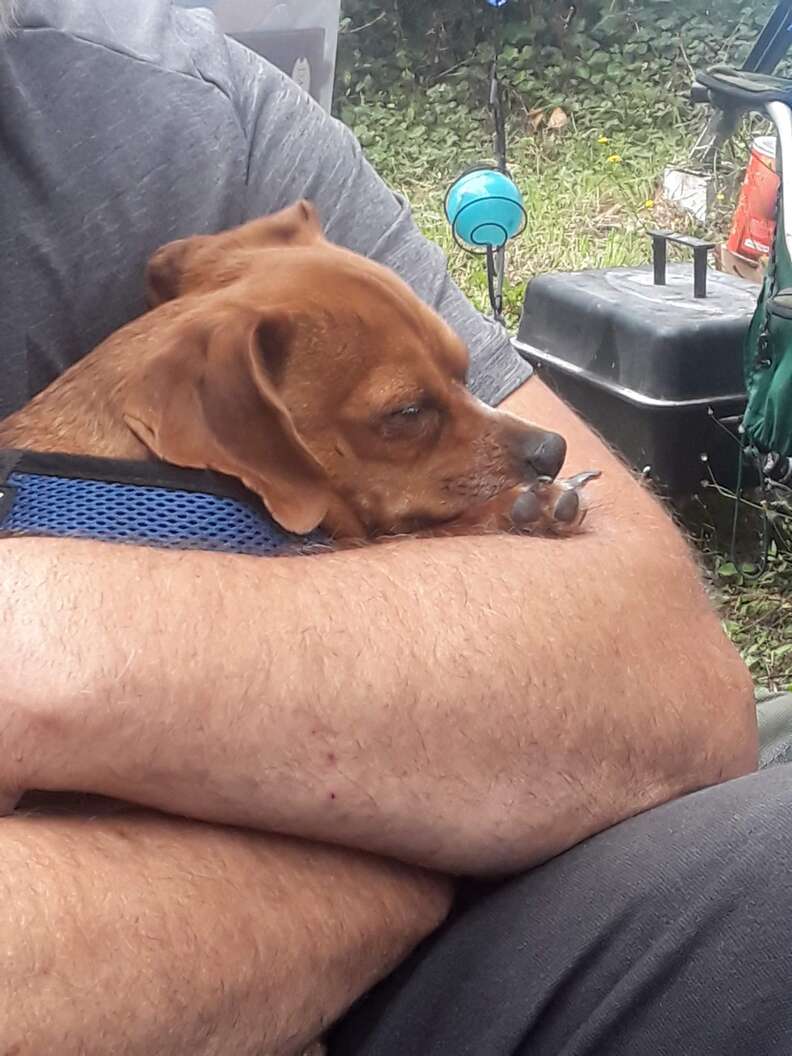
x,y
298,151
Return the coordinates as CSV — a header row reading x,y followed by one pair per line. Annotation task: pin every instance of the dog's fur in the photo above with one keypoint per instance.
x,y
311,374
315,377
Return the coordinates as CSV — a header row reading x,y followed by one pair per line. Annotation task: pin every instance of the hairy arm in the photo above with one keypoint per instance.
x,y
135,934
473,705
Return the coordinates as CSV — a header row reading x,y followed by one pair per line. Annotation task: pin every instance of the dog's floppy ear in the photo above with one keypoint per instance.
x,y
165,268
296,225
206,260
209,401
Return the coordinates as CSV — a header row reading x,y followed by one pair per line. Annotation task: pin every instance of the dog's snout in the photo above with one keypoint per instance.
x,y
544,454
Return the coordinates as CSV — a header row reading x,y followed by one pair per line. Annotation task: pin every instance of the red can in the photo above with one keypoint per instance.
x,y
753,226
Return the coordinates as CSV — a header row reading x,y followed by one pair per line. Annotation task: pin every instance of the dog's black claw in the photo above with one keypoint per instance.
x,y
526,509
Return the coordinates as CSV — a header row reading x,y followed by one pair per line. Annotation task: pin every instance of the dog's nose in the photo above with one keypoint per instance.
x,y
545,454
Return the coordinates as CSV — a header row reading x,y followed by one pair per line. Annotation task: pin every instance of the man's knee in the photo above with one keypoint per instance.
x,y
720,850
665,927
725,837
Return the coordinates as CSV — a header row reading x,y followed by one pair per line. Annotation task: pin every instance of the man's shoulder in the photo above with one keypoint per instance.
x,y
132,127
157,33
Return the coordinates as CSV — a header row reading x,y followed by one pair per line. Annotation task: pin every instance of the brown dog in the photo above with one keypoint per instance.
x,y
315,377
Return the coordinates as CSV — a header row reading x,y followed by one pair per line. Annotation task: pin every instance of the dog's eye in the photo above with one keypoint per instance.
x,y
407,421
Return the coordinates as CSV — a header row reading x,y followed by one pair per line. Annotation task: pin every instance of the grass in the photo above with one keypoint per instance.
x,y
589,204
583,210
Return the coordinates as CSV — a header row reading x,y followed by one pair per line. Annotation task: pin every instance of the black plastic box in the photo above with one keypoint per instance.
x,y
648,366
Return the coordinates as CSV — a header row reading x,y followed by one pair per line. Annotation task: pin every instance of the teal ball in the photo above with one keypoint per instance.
x,y
484,208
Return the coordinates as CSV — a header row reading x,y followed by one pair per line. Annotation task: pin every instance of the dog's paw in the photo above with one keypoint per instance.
x,y
543,508
555,507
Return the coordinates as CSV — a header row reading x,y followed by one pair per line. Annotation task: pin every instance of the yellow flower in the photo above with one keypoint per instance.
x,y
614,159
649,203
720,196
603,140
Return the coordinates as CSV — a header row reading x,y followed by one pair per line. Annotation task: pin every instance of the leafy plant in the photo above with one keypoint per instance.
x,y
610,63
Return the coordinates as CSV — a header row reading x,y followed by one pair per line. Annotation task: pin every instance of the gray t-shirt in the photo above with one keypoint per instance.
x,y
126,124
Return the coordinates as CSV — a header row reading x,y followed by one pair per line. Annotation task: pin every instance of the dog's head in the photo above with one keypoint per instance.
x,y
320,380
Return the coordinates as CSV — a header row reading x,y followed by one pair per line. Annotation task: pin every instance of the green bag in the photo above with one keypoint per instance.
x,y
767,362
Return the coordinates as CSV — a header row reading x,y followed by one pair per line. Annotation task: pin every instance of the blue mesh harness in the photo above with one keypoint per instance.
x,y
147,503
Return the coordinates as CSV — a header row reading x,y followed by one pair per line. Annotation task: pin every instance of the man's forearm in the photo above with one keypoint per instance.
x,y
473,705
135,934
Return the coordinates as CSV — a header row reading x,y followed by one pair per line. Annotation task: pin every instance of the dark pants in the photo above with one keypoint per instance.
x,y
669,934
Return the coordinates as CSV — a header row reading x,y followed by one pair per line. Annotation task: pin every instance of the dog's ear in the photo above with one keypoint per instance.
x,y
210,401
204,260
165,268
297,225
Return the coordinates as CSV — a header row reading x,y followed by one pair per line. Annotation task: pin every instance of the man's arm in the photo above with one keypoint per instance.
x,y
473,705
137,934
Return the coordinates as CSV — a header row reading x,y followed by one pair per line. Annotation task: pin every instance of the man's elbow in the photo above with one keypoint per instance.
x,y
711,739
720,737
